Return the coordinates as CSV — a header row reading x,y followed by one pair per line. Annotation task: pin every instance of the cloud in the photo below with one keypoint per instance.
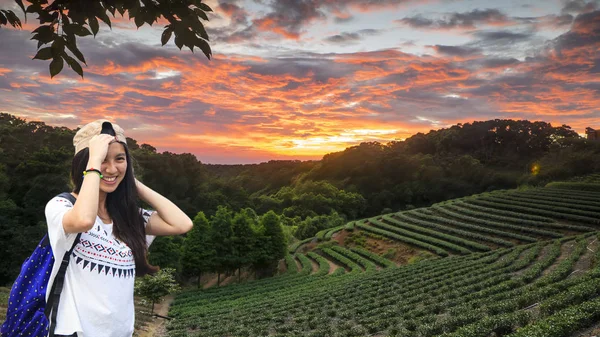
x,y
501,35
343,38
456,50
346,37
579,6
458,20
288,18
302,104
507,43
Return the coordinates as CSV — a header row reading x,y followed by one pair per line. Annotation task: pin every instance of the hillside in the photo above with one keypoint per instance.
x,y
514,262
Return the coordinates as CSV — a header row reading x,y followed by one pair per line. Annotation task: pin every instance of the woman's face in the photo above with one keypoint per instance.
x,y
113,168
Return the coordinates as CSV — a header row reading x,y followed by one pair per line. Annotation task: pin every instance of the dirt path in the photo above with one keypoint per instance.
x,y
315,265
585,261
157,327
332,266
565,251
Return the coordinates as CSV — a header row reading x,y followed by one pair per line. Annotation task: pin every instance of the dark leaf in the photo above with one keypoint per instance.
x,y
3,20
81,30
38,29
13,19
46,17
47,34
58,46
200,13
20,3
34,8
139,20
73,48
111,10
68,29
205,47
93,22
120,9
43,54
199,29
73,64
101,14
166,36
178,41
56,66
204,7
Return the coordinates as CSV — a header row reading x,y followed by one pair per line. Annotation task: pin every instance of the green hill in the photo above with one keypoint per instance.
x,y
514,262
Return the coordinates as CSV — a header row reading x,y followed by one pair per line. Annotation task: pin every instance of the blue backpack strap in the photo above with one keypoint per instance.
x,y
59,280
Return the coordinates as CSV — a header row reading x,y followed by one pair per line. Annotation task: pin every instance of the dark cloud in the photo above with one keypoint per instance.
x,y
502,35
237,15
456,50
344,38
580,6
457,20
585,32
499,62
289,17
240,28
418,22
343,19
232,35
540,22
563,20
316,67
347,37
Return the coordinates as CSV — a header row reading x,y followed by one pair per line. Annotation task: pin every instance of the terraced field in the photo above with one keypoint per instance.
x,y
508,263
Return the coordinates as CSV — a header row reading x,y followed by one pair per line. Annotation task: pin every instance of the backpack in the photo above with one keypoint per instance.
x,y
28,313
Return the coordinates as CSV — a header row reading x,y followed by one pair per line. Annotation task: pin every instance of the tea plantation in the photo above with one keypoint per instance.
x,y
506,263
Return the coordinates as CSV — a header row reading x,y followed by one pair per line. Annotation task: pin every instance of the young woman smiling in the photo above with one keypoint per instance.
x,y
97,298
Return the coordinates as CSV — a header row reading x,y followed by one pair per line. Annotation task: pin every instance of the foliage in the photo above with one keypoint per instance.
x,y
62,22
165,252
271,244
310,226
155,287
222,239
198,252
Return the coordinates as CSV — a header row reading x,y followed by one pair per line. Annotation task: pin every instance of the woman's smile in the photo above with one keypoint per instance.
x,y
109,180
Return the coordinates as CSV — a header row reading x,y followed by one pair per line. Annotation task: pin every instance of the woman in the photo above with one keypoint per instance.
x,y
97,298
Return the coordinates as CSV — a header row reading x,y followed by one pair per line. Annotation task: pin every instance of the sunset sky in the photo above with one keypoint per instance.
x,y
296,79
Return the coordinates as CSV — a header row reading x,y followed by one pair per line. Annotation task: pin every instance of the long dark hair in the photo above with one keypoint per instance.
x,y
122,205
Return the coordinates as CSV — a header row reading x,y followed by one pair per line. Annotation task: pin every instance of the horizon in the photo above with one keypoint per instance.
x,y
291,80
159,150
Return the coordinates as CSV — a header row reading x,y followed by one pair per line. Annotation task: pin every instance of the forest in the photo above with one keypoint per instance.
x,y
259,208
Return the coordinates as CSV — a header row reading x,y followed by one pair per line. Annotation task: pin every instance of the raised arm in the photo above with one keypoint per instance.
x,y
168,218
82,216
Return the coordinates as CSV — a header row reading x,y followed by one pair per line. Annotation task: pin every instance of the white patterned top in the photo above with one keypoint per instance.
x,y
97,298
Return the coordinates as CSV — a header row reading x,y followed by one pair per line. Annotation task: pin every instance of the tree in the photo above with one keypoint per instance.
x,y
243,239
221,238
198,253
165,252
271,244
62,22
153,287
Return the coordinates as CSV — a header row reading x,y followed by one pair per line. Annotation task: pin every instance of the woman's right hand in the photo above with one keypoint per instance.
x,y
99,148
